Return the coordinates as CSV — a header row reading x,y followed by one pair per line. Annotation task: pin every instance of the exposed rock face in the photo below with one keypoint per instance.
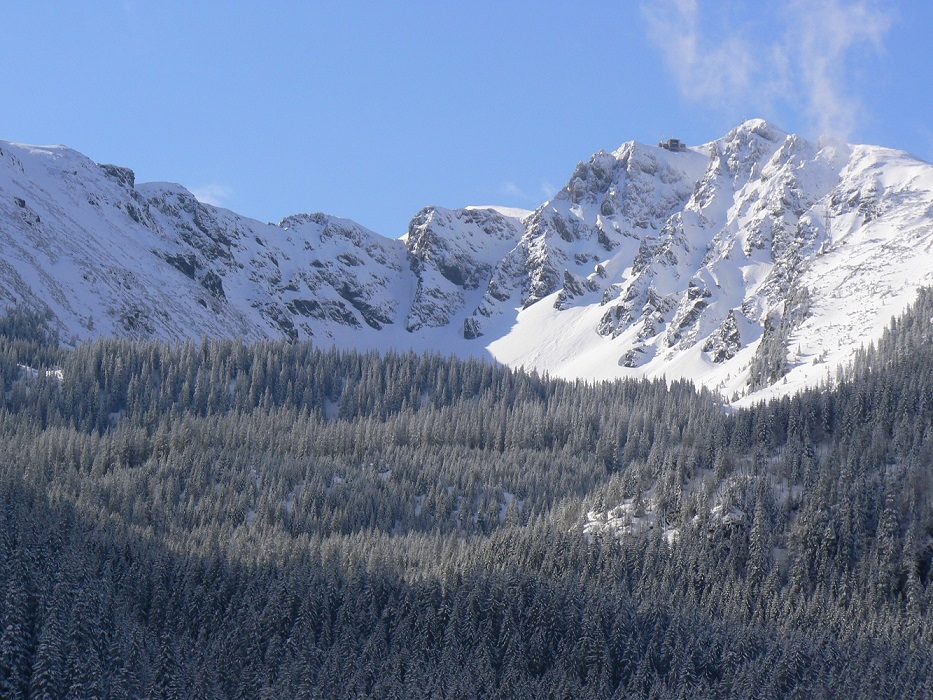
x,y
453,253
724,342
739,263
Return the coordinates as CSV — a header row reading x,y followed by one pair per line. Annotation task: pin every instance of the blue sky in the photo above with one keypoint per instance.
x,y
372,110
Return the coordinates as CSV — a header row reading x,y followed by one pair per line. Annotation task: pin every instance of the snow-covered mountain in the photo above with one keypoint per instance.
x,y
753,264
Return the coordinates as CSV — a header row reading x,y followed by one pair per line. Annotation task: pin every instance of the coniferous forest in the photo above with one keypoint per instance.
x,y
274,520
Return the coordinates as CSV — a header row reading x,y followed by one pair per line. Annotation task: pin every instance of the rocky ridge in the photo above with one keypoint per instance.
x,y
754,263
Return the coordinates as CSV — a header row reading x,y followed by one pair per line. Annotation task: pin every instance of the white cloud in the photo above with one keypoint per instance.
x,y
824,34
705,69
802,63
548,190
534,198
510,189
212,193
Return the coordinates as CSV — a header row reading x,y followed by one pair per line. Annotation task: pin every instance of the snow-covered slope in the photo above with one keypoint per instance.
x,y
754,264
757,262
108,256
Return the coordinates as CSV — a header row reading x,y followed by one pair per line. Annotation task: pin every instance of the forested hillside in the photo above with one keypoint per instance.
x,y
273,520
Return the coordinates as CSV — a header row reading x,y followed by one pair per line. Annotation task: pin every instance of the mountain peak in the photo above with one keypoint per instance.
x,y
757,127
751,261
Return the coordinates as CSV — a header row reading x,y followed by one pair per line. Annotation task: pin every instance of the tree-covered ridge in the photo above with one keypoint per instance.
x,y
274,520
369,439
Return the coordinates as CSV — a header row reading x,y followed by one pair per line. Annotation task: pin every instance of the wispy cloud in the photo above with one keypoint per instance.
x,y
824,34
803,64
705,68
510,189
520,196
212,193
